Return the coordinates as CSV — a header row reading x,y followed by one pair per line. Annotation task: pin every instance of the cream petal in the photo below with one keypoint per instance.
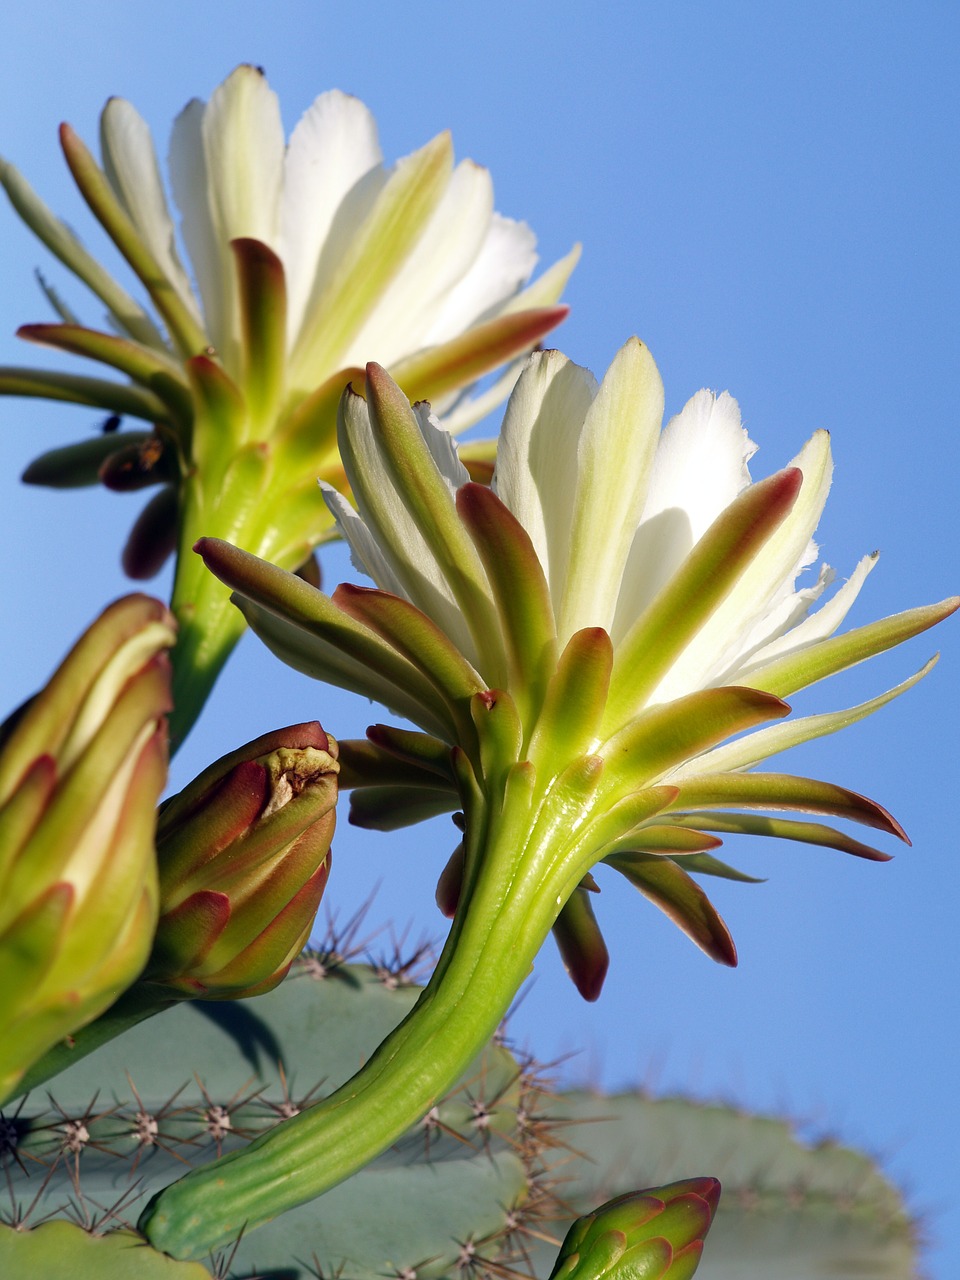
x,y
718,645
226,160
818,626
365,553
244,144
536,471
363,254
506,259
188,179
333,148
408,555
442,448
787,611
699,468
448,245
130,163
615,455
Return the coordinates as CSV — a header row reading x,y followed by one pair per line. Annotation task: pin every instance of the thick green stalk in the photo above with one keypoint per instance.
x,y
208,628
225,502
514,891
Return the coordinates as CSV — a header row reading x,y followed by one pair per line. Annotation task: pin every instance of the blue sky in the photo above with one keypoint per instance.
x,y
768,196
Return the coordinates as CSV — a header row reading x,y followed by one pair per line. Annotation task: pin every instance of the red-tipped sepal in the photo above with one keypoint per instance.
x,y
244,854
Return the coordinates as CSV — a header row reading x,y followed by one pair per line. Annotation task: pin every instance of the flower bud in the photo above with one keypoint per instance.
x,y
644,1235
81,767
244,853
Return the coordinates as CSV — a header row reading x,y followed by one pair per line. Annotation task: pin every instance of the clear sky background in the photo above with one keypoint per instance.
x,y
767,194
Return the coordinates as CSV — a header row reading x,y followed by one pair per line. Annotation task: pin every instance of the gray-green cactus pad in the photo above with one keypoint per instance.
x,y
115,1127
789,1210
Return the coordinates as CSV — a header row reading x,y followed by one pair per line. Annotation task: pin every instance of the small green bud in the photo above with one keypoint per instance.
x,y
644,1235
81,768
244,854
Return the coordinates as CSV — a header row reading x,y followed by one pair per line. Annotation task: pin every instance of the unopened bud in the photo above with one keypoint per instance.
x,y
81,768
644,1235
244,854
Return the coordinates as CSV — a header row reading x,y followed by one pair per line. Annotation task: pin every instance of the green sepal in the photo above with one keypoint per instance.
x,y
75,466
706,577
499,731
437,371
111,650
450,883
221,414
704,864
373,761
572,794
389,808
576,695
749,824
685,1263
416,637
755,747
418,749
309,432
520,590
666,838
680,899
80,794
674,732
782,791
426,495
189,836
62,242
262,294
75,388
110,213
581,945
153,369
30,945
23,811
630,813
312,634
823,658
190,929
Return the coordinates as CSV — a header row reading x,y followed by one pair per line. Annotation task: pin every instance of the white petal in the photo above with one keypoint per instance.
x,y
130,163
536,471
614,458
819,626
717,646
365,553
506,259
699,468
410,560
787,610
188,178
332,148
244,145
231,189
449,244
442,448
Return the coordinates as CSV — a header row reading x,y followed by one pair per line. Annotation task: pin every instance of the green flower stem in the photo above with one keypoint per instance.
x,y
228,502
514,888
209,627
135,1005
